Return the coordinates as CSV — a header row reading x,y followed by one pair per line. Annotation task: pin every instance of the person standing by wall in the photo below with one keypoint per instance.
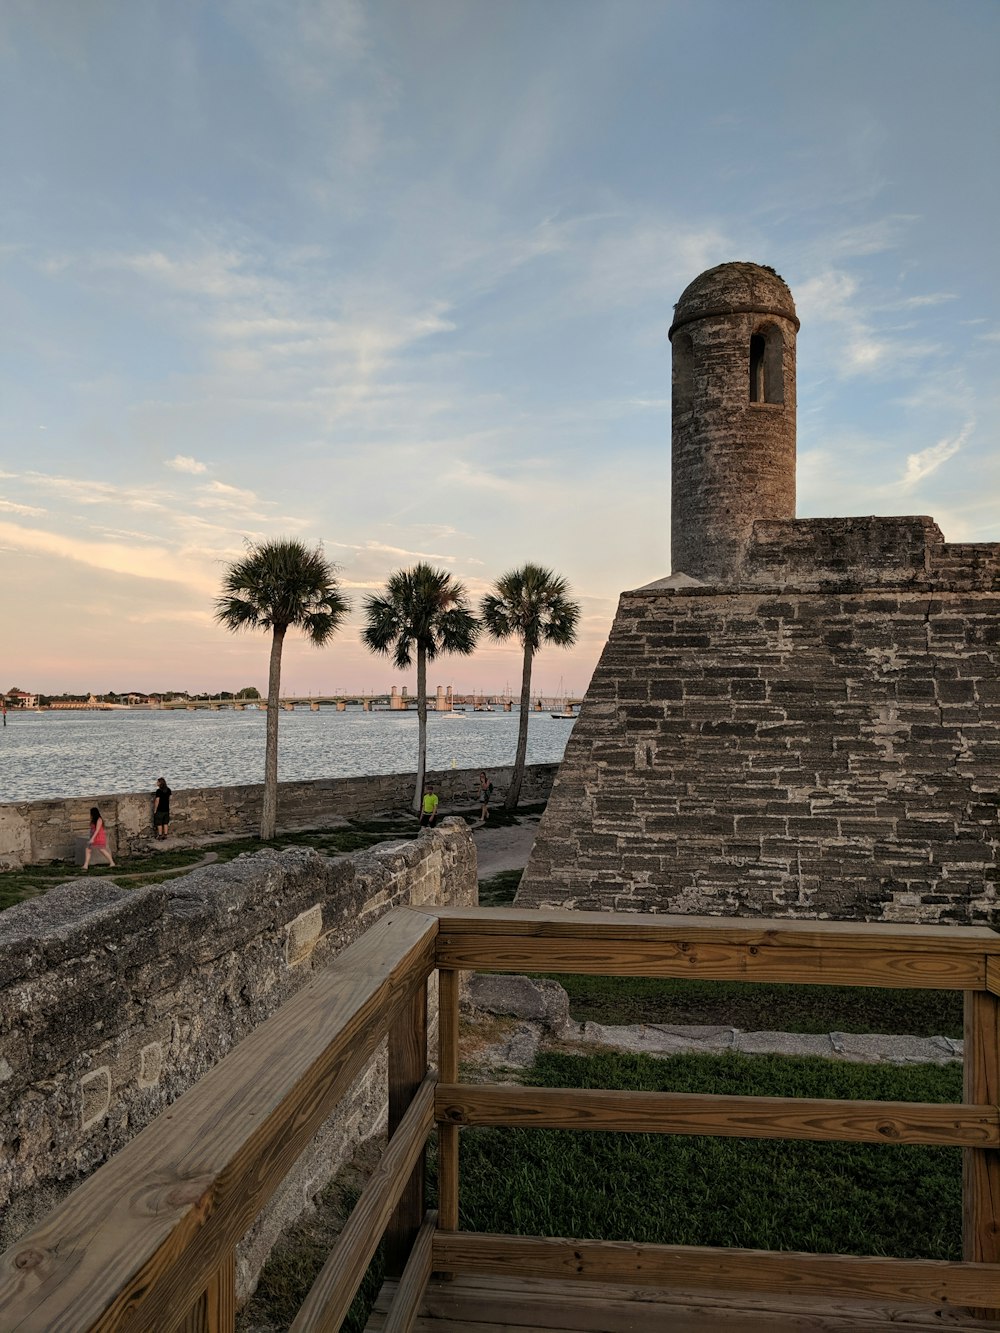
x,y
161,809
429,807
98,840
485,792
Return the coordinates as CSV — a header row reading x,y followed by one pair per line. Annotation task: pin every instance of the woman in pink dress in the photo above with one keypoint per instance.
x,y
98,841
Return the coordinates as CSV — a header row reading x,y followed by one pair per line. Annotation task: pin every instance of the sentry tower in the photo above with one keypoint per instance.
x,y
733,339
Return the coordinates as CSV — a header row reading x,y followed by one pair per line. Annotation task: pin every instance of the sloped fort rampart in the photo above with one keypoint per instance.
x,y
803,718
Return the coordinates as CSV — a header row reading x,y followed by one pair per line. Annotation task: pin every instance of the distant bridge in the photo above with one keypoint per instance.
x,y
393,703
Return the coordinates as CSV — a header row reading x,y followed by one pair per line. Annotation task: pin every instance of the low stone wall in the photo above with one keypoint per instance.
x,y
34,832
112,1003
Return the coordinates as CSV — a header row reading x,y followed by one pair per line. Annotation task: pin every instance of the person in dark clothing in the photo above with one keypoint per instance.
x,y
161,808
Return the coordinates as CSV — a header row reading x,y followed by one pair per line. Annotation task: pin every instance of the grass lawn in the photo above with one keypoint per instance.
x,y
882,1199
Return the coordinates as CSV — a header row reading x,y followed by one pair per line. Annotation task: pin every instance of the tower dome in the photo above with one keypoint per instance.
x,y
733,437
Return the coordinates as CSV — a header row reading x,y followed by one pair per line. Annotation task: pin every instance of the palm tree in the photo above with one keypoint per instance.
x,y
531,604
277,586
426,611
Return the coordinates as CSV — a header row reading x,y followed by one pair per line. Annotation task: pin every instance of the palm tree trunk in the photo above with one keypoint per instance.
x,y
421,726
514,790
269,812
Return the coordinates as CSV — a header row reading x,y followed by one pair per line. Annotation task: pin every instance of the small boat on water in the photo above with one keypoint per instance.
x,y
567,712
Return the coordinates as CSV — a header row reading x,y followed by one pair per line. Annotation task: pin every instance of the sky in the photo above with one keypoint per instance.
x,y
397,278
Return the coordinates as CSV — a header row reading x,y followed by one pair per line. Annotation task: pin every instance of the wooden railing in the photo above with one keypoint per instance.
x,y
148,1241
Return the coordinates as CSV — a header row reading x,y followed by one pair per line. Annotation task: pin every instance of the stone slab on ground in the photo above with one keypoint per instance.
x,y
544,1005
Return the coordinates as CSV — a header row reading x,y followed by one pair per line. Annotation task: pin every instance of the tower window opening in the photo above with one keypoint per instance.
x,y
757,348
683,373
767,378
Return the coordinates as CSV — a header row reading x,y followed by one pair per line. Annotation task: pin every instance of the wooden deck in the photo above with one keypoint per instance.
x,y
148,1241
474,1304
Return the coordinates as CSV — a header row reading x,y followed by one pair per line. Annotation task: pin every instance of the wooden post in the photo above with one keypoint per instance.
x,y
407,1070
215,1309
448,1073
981,1166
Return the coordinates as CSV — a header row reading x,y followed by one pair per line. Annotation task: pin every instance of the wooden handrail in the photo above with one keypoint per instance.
x,y
561,923
331,1294
795,952
136,1242
403,1312
844,1276
716,948
815,1119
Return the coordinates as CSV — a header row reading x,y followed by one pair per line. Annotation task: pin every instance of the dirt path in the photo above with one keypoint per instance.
x,y
504,848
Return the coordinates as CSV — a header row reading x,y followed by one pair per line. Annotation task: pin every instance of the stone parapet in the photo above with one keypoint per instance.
x,y
113,1002
34,832
869,552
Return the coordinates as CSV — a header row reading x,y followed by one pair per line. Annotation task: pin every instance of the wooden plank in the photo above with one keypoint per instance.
x,y
556,923
145,1233
215,1309
993,974
330,1296
448,988
407,1070
412,1285
595,1307
981,1165
475,1304
642,956
817,1119
823,1275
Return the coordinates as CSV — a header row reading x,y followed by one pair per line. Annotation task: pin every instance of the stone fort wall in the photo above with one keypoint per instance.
x,y
112,1003
34,832
822,739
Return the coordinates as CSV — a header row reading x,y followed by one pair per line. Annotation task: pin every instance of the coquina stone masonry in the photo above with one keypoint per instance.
x,y
112,1003
35,832
804,719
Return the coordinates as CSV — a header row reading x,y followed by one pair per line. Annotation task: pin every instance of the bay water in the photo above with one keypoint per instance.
x,y
48,755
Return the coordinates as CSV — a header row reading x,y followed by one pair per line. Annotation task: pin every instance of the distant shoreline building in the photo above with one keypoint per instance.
x,y
15,698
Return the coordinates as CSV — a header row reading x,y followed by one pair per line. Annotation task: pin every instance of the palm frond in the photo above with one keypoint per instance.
x,y
531,604
420,609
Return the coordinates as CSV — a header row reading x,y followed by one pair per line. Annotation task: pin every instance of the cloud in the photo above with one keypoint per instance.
x,y
87,492
872,238
29,511
213,273
922,464
155,563
382,549
217,494
181,463
835,298
932,298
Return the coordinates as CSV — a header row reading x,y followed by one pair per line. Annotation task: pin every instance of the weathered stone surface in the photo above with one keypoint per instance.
x,y
535,998
733,454
112,1003
812,751
33,832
